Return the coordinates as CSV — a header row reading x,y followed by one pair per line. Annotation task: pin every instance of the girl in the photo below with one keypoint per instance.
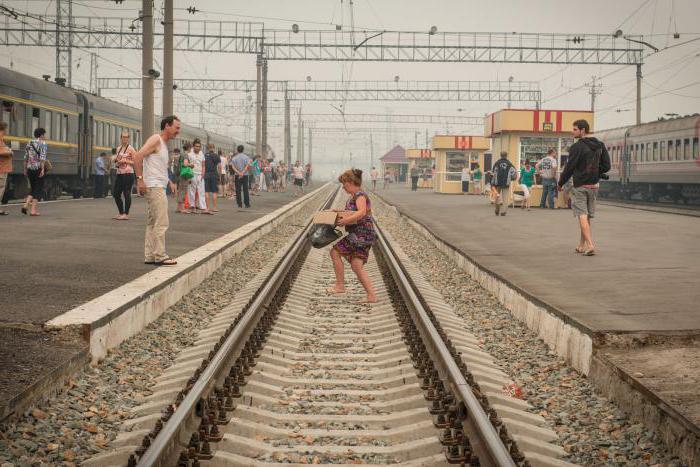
x,y
125,177
361,235
527,179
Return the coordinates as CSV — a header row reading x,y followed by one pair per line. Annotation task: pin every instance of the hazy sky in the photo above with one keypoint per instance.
x,y
671,77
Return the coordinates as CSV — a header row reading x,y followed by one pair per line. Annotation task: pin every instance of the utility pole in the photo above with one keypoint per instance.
x,y
310,147
299,136
147,71
371,150
168,27
595,89
93,74
64,41
258,107
301,142
639,94
264,108
287,130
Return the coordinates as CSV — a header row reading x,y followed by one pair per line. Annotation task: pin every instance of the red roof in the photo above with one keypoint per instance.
x,y
395,156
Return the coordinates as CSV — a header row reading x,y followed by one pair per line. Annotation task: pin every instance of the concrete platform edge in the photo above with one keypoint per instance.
x,y
575,344
679,433
108,320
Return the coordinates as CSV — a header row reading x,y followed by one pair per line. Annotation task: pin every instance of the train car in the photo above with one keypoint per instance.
x,y
654,161
79,125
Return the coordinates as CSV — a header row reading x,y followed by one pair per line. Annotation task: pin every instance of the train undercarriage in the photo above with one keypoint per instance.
x,y
55,186
676,193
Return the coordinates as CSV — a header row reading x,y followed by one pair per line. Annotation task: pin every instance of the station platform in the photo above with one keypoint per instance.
x,y
73,253
641,288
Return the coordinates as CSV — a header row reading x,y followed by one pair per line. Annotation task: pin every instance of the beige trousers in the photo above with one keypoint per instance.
x,y
156,224
503,197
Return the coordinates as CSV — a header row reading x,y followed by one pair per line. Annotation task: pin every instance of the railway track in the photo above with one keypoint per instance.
x,y
290,374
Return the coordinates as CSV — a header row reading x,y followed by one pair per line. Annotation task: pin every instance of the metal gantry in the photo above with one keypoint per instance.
x,y
64,41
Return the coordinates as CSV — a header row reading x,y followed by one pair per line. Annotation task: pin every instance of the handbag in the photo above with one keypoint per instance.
x,y
47,163
323,234
186,172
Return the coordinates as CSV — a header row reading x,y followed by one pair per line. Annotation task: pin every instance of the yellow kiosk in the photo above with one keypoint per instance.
x,y
424,161
452,154
528,134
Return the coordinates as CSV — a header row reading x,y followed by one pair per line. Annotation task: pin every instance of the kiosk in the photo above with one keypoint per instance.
x,y
423,159
529,134
395,163
452,154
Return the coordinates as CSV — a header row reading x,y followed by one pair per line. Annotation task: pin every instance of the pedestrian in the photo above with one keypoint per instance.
x,y
307,174
100,176
267,175
111,165
588,161
241,164
273,175
34,170
476,174
124,163
547,168
183,184
415,173
212,171
355,246
527,179
282,176
254,175
464,177
151,168
374,175
503,174
223,178
387,178
5,163
195,195
298,174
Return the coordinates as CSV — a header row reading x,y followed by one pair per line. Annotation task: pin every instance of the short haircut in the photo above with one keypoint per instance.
x,y
527,161
240,148
187,146
582,125
176,150
39,132
210,146
552,151
504,154
102,154
3,126
168,121
196,141
125,132
353,176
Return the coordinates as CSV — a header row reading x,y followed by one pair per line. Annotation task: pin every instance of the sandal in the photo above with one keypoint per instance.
x,y
24,211
332,290
149,262
579,250
589,253
166,262
35,214
4,213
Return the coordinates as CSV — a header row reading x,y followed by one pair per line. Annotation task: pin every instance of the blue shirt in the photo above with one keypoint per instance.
x,y
240,161
100,166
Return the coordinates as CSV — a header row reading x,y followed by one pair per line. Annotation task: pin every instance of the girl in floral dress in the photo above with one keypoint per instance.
x,y
355,246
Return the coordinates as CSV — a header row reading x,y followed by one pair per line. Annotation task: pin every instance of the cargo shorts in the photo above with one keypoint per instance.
x,y
583,201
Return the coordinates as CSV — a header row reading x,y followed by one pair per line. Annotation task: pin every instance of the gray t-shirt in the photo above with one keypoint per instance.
x,y
548,167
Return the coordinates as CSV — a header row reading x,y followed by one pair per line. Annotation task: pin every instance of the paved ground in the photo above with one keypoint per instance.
x,y
644,278
73,253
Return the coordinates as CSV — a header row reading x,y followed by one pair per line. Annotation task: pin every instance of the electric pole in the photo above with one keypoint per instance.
x,y
258,107
287,130
168,27
147,71
264,108
310,147
93,74
595,90
639,94
64,41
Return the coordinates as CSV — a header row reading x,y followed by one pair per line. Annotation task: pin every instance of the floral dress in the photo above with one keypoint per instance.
x,y
361,235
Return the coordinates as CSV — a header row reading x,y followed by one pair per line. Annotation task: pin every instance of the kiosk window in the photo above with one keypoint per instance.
x,y
456,161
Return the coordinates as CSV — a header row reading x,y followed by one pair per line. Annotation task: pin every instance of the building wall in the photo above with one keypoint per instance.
x,y
529,120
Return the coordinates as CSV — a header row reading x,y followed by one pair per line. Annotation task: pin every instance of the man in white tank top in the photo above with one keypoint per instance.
x,y
151,167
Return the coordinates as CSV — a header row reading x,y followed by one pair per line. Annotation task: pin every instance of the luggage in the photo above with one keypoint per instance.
x,y
323,234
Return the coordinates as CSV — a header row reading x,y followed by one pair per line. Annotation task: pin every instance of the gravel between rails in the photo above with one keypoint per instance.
x,y
591,429
82,420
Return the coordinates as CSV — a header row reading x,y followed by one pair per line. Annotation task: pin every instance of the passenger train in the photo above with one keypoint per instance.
x,y
654,161
79,126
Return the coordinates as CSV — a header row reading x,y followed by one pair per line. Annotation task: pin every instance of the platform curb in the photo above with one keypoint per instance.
x,y
555,328
110,319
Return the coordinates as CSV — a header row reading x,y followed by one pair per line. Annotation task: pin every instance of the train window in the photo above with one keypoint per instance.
x,y
36,113
5,117
679,150
686,149
47,123
695,149
656,151
100,134
57,122
64,129
662,152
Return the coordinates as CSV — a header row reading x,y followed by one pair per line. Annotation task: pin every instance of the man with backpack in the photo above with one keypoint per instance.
x,y
503,174
588,162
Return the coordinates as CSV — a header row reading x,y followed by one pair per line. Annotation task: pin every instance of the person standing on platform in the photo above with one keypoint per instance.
x,y
298,174
212,171
527,179
547,168
465,179
240,164
307,174
195,195
476,174
503,174
124,163
588,161
100,176
355,246
151,168
5,163
34,170
374,175
415,173
183,184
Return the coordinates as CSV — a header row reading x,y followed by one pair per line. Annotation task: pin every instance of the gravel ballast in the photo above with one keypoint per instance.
x,y
591,429
82,420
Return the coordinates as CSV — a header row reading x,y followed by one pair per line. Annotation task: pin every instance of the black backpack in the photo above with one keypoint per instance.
x,y
323,234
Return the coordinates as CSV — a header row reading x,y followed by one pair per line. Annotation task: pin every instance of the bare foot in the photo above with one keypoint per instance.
x,y
335,290
370,299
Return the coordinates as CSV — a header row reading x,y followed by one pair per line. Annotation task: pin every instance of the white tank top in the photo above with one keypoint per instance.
x,y
155,167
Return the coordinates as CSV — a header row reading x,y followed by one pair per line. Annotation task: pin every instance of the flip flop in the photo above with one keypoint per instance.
x,y
24,211
35,215
149,262
4,213
166,262
331,290
579,250
589,253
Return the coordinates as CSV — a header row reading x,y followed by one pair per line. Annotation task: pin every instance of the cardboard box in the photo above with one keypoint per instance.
x,y
330,217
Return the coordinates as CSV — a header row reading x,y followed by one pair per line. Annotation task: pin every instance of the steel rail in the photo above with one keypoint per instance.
x,y
163,448
489,446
